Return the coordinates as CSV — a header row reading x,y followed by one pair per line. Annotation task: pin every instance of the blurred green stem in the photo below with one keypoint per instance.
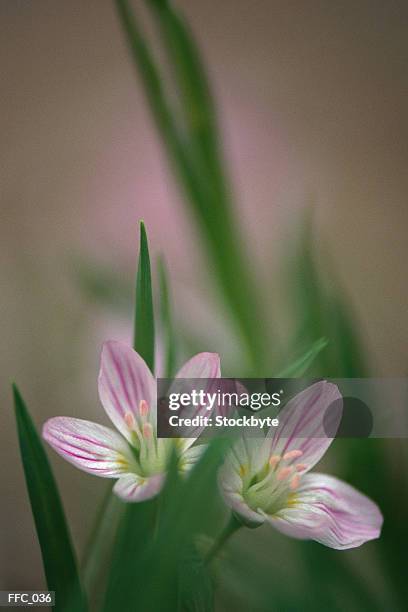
x,y
230,528
100,541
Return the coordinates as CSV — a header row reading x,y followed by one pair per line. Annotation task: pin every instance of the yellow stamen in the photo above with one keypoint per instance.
x,y
242,470
292,500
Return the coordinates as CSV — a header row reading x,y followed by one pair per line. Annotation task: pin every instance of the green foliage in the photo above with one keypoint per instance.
x,y
98,550
320,311
196,585
156,542
323,310
167,331
101,541
301,365
190,136
131,559
144,316
53,535
391,493
146,553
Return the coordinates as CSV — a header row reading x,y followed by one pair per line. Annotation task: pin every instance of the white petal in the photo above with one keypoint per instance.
x,y
231,486
191,455
301,424
91,447
249,455
237,504
124,381
202,365
331,512
134,488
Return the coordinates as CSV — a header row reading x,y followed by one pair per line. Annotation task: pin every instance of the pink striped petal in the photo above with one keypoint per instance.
x,y
134,488
331,512
124,381
301,424
202,365
90,447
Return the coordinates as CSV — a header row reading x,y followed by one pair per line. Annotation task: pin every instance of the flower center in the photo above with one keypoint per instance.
x,y
271,488
151,453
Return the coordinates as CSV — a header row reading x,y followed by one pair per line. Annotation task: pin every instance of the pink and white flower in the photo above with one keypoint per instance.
x,y
133,454
267,480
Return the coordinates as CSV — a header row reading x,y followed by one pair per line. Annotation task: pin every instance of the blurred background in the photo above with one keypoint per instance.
x,y
312,100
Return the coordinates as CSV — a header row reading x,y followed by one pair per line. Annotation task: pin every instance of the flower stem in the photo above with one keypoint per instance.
x,y
230,528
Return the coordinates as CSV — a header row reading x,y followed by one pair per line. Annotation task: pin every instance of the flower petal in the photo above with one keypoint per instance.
x,y
239,507
301,424
90,447
134,488
190,455
331,512
202,365
237,469
247,457
124,381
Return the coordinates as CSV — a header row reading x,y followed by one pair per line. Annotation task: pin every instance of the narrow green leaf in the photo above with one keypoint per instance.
x,y
302,364
166,321
150,553
132,541
132,566
138,565
321,311
348,350
188,510
99,547
190,139
155,94
196,587
199,113
144,315
199,488
53,534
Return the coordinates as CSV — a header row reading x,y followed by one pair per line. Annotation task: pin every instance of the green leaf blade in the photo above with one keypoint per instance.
x,y
195,92
166,321
301,365
144,315
192,148
196,585
131,564
53,535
